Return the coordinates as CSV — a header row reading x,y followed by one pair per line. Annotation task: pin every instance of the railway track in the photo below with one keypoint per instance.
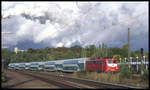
x,y
59,82
70,82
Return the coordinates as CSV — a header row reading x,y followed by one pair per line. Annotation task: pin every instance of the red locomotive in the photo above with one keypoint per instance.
x,y
102,65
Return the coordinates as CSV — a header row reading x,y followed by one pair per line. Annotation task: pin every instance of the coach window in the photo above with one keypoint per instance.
x,y
93,62
88,62
99,62
96,62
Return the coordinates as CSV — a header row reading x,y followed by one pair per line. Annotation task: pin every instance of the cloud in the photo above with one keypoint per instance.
x,y
65,23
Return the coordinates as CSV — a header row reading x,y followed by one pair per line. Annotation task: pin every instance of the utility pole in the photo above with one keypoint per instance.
x,y
128,43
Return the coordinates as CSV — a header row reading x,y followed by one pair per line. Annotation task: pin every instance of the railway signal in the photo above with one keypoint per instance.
x,y
141,52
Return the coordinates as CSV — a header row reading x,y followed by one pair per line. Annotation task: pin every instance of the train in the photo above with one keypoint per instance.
x,y
70,65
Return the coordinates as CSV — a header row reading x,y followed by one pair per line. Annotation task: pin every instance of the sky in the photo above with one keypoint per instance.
x,y
57,24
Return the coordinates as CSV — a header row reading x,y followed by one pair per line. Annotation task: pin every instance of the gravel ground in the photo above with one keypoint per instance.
x,y
16,80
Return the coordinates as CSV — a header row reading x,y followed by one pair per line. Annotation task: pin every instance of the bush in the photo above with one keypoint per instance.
x,y
82,73
145,75
125,72
3,77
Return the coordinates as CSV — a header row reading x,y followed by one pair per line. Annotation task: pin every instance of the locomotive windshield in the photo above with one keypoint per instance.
x,y
115,61
109,61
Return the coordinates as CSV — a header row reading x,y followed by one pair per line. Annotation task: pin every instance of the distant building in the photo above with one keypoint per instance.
x,y
16,50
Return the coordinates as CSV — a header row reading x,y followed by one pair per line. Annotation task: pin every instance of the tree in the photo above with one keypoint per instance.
x,y
146,54
77,50
6,56
58,55
116,51
31,50
92,50
47,57
125,50
68,55
137,53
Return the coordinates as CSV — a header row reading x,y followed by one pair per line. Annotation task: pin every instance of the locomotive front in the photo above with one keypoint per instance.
x,y
112,65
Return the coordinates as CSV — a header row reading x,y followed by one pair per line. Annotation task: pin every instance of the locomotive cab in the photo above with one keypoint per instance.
x,y
112,65
102,65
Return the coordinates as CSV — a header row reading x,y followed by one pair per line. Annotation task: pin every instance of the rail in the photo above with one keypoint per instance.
x,y
75,82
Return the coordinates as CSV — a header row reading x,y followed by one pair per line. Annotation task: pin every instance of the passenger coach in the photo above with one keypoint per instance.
x,y
34,66
74,65
50,66
59,65
11,66
27,66
22,66
41,65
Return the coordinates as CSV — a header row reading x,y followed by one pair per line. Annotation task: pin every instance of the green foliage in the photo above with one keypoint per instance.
x,y
3,77
145,75
31,50
146,54
58,55
46,54
69,54
135,53
125,72
6,57
125,50
116,51
83,73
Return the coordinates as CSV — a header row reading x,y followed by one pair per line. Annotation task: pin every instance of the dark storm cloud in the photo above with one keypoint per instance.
x,y
65,23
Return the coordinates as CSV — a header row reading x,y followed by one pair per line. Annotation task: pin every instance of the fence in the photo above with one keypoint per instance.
x,y
136,62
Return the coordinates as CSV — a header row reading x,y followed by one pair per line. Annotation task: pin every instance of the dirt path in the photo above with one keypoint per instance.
x,y
16,80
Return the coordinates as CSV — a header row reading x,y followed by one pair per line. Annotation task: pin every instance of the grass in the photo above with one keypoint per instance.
x,y
109,77
135,80
115,78
105,77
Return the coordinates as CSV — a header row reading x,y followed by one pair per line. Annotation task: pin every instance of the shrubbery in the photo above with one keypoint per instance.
x,y
125,71
145,75
80,74
3,77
